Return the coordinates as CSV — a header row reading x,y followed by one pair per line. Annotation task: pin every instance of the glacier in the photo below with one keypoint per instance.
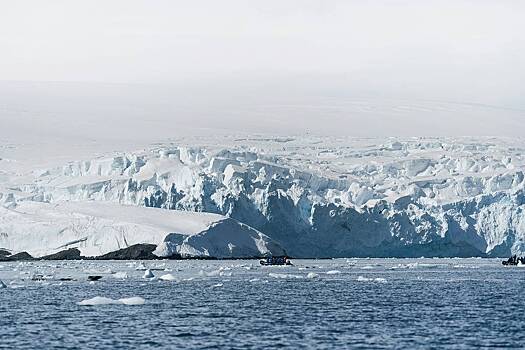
x,y
311,196
97,228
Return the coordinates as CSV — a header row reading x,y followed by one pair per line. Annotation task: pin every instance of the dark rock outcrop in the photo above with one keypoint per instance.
x,y
23,256
69,254
4,253
134,252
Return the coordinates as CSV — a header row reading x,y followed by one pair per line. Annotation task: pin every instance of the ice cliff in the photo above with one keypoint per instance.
x,y
314,196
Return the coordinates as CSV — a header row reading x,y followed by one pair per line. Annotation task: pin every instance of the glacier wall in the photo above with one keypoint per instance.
x,y
318,197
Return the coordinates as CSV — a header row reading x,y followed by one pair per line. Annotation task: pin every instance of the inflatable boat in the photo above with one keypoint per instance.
x,y
514,261
275,260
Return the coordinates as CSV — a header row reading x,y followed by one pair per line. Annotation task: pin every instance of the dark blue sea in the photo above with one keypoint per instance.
x,y
315,304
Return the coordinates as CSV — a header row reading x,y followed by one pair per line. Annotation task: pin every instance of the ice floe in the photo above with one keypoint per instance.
x,y
367,279
168,277
141,267
148,274
120,275
108,301
284,276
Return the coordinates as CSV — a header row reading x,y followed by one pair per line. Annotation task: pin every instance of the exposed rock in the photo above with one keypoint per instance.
x,y
23,256
134,252
69,254
4,253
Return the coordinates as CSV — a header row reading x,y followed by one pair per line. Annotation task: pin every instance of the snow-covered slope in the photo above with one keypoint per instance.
x,y
316,196
96,228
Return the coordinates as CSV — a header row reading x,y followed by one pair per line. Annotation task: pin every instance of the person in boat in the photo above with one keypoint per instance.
x,y
514,260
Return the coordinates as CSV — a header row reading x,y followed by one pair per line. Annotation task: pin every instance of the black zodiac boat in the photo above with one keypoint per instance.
x,y
275,260
514,261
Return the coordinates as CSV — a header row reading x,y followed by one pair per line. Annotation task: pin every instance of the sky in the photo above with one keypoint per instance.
x,y
363,68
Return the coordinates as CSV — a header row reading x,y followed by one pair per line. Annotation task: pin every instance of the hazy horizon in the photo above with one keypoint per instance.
x,y
387,68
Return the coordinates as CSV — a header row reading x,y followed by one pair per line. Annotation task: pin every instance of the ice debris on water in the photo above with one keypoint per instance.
x,y
141,267
284,276
168,277
148,274
367,279
108,301
312,275
333,272
120,275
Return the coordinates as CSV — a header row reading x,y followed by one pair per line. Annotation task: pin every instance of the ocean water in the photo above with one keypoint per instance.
x,y
315,304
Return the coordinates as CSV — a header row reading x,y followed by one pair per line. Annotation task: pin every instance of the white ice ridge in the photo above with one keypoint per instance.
x,y
96,228
315,196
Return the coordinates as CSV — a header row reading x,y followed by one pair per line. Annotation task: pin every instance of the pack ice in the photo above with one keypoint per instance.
x,y
249,195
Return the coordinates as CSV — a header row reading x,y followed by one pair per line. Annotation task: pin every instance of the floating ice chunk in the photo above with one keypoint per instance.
x,y
97,301
366,279
283,275
218,285
132,301
312,275
108,301
168,277
141,267
333,272
254,280
211,273
98,272
120,275
148,274
2,284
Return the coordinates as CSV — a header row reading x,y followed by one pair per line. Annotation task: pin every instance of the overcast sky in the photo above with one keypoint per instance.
x,y
297,60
